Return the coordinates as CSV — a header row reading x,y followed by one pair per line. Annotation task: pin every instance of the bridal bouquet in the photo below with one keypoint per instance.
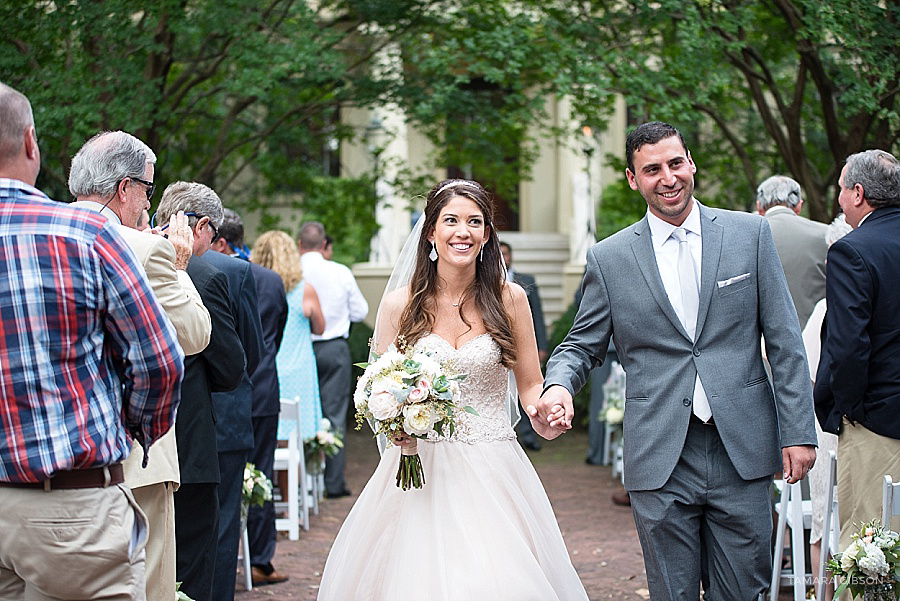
x,y
408,392
325,443
870,566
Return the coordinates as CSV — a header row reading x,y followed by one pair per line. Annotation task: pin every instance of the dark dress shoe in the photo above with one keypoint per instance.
x,y
621,498
337,495
260,578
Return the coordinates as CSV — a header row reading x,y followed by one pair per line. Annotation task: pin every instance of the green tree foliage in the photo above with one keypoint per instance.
x,y
759,87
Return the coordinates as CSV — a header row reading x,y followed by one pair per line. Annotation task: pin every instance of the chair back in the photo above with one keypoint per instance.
x,y
890,501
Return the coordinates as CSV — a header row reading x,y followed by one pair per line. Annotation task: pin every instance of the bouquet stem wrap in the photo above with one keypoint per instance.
x,y
410,473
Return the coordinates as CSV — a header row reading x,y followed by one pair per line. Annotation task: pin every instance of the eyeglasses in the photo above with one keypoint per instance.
x,y
209,222
151,187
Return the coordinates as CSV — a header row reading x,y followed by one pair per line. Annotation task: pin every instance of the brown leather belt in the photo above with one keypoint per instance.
x,y
93,477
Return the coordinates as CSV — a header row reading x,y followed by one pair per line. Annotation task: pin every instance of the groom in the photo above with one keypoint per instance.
x,y
687,292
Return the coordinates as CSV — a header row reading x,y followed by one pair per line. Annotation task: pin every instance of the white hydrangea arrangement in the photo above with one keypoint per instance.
x,y
408,392
871,563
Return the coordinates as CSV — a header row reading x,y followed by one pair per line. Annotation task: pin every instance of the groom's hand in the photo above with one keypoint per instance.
x,y
797,461
554,408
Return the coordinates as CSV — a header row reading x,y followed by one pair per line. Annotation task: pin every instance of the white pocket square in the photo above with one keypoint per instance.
x,y
734,280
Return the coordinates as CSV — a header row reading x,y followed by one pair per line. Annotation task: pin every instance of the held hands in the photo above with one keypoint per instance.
x,y
403,440
552,415
797,461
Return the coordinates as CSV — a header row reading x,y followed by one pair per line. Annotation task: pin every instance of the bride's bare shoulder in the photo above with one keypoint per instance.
x,y
395,301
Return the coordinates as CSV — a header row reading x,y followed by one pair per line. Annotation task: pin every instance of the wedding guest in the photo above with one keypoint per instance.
x,y
818,475
100,180
342,303
858,382
527,435
687,292
219,368
90,362
273,311
800,242
233,410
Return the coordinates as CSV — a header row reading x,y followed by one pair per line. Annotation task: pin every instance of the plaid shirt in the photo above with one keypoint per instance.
x,y
86,352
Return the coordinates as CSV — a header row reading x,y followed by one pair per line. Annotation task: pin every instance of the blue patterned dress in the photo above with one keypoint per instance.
x,y
296,365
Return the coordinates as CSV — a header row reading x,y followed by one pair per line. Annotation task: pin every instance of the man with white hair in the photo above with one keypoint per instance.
x,y
799,241
113,174
88,358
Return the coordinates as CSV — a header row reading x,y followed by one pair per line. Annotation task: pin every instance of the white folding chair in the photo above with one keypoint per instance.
x,y
292,460
890,501
796,514
831,526
245,556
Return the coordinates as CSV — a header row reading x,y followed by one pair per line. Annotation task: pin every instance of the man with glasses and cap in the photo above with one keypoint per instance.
x,y
112,174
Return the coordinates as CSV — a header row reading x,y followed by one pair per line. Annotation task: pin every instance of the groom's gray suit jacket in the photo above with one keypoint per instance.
x,y
743,295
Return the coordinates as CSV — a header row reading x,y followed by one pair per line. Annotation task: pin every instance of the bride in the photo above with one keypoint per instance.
x,y
481,528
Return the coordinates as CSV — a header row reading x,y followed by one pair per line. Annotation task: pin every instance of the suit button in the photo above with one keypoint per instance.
x,y
696,352
687,402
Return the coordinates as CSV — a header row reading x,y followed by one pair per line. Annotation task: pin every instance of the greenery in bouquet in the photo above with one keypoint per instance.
x,y
870,563
324,443
411,393
257,487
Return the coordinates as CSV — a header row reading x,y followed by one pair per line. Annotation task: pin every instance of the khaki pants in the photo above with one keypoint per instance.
x,y
71,544
863,460
158,503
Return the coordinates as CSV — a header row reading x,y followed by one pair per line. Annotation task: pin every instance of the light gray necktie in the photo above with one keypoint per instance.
x,y
687,280
690,305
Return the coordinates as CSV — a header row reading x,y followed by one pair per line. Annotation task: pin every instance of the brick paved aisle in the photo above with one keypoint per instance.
x,y
600,536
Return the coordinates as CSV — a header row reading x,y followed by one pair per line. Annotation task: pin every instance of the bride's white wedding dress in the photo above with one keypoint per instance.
x,y
481,528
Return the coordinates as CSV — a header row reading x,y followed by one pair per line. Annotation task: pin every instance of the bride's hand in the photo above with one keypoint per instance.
x,y
542,426
403,440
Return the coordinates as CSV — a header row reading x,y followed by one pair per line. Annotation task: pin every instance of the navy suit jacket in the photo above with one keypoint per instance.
x,y
859,369
273,310
234,427
217,368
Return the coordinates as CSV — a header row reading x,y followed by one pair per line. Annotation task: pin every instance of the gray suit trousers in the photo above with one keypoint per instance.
x,y
334,367
705,500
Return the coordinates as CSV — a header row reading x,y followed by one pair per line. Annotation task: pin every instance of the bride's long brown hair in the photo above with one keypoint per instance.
x,y
486,291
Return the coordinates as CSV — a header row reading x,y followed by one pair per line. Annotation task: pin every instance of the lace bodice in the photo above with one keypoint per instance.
x,y
484,388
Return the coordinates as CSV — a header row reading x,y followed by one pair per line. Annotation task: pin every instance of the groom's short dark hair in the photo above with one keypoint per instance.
x,y
649,133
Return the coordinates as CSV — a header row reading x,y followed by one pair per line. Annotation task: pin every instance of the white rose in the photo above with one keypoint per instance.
x,y
384,405
418,419
326,438
325,425
386,360
848,558
454,389
359,395
425,382
417,395
428,364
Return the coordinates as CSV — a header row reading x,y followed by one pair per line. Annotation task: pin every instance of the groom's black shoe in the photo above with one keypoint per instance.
x,y
532,445
337,495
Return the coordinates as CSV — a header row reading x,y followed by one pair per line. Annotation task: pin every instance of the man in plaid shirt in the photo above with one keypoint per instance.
x,y
87,359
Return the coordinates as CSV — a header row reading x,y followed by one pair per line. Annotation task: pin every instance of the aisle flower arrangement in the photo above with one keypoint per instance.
x,y
870,566
409,392
257,487
324,443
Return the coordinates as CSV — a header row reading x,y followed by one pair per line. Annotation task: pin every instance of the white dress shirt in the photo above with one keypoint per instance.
x,y
665,247
339,296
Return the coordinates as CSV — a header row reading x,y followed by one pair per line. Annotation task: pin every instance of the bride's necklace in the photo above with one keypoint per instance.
x,y
449,298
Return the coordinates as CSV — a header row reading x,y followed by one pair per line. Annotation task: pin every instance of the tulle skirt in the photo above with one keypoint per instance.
x,y
481,528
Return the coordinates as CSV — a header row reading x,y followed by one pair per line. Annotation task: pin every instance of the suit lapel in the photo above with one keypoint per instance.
x,y
646,260
712,234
